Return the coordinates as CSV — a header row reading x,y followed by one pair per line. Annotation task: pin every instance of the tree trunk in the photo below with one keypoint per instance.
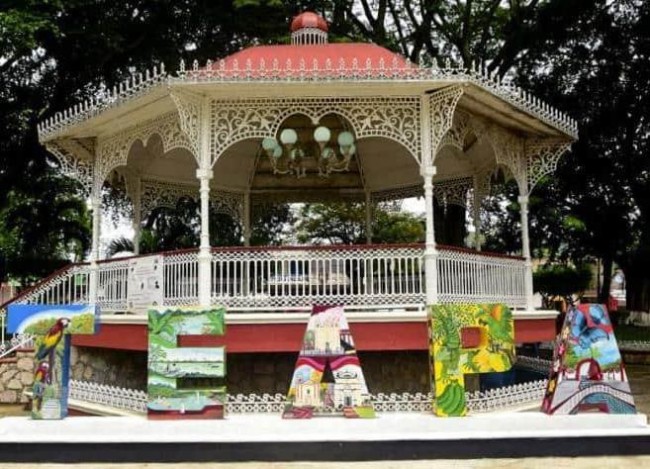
x,y
637,283
450,224
608,264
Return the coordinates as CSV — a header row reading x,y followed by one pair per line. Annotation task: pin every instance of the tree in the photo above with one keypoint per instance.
x,y
600,73
345,223
55,53
172,228
32,246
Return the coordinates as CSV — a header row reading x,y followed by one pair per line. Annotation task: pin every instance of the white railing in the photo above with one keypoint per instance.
x,y
112,396
507,397
475,277
294,278
17,342
68,285
181,278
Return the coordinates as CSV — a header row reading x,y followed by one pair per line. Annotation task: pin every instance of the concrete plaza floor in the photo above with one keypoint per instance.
x,y
639,382
524,463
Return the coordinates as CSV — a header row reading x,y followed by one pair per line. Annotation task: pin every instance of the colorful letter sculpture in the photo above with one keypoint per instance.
x,y
328,379
467,339
587,374
168,363
53,325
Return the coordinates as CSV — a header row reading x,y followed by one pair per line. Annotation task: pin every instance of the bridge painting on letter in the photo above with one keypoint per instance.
x,y
587,373
467,339
52,326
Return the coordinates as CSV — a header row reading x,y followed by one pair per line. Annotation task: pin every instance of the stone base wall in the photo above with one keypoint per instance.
x,y
255,372
16,376
122,368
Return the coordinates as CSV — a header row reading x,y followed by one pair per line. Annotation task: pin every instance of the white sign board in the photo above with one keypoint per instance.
x,y
145,283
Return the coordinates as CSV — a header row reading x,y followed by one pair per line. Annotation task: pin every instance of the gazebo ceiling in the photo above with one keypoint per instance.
x,y
380,164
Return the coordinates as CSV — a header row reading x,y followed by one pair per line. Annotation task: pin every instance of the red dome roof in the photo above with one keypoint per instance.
x,y
308,19
317,60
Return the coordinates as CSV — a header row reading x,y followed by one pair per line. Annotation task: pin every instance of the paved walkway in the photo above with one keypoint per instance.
x,y
539,463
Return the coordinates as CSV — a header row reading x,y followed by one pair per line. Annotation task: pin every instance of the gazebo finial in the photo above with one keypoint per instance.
x,y
309,28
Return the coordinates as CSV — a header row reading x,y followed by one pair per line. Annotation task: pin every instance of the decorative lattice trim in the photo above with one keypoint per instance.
x,y
492,400
395,118
357,70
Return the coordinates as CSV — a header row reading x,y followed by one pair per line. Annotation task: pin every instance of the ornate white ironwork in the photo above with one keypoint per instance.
x,y
68,285
76,162
527,160
634,345
278,279
441,114
189,108
463,125
365,70
112,285
539,365
134,400
156,194
492,400
543,156
296,278
17,342
396,118
469,276
454,191
133,87
256,403
181,282
517,395
113,150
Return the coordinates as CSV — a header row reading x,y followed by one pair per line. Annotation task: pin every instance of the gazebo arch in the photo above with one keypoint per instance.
x,y
396,118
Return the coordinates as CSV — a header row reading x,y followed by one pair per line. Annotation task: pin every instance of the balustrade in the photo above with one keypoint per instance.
x,y
294,278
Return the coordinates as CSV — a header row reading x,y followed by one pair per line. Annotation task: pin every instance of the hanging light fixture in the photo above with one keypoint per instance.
x,y
288,156
329,160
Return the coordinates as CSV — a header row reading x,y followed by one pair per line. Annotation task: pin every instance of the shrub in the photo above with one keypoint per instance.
x,y
561,281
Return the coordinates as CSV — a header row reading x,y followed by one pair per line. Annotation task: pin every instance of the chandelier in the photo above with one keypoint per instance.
x,y
290,156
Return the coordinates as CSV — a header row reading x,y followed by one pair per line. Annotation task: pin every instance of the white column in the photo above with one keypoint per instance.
x,y
525,252
476,215
137,216
96,206
205,256
369,210
246,222
430,251
428,171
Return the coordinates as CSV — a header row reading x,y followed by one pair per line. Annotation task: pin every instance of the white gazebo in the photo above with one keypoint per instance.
x,y
302,122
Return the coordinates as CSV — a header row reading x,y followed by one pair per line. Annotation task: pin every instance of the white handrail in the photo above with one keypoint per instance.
x,y
294,278
15,343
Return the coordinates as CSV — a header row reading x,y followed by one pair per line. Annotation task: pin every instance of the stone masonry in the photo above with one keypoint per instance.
x,y
255,372
16,376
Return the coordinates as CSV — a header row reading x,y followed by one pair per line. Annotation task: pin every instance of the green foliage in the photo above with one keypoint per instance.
x,y
217,322
344,223
558,280
160,326
79,324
